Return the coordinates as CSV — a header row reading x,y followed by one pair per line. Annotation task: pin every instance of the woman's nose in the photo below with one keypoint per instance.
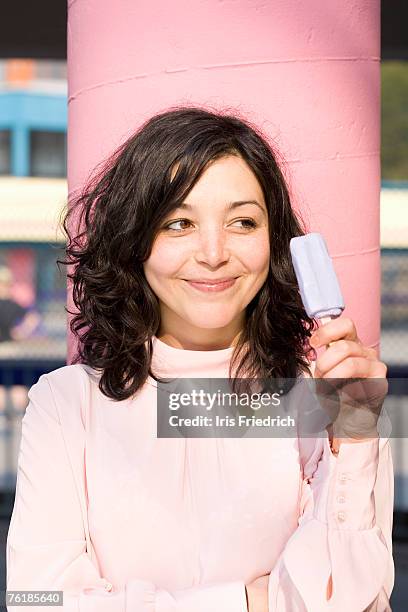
x,y
212,247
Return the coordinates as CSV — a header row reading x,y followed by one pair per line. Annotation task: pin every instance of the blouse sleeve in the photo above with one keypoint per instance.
x,y
344,531
47,538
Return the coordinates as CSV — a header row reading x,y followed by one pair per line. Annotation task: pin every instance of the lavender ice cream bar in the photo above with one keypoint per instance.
x,y
318,284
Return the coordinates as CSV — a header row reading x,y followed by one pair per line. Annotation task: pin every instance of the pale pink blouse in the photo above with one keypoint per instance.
x,y
121,520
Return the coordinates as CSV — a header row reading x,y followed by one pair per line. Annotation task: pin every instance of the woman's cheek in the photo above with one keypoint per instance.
x,y
255,252
164,260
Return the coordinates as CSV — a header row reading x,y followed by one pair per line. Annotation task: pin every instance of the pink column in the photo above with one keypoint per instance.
x,y
307,72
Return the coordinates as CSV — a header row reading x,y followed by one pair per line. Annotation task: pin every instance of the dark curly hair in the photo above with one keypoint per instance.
x,y
121,208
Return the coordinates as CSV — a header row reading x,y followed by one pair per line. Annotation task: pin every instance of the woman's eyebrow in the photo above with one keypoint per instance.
x,y
230,206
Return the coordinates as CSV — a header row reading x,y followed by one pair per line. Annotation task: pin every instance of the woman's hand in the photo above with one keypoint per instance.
x,y
257,594
354,404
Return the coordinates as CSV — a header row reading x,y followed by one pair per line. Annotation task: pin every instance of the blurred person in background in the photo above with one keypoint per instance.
x,y
16,322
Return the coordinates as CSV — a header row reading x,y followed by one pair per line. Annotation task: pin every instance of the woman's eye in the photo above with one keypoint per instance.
x,y
250,223
167,227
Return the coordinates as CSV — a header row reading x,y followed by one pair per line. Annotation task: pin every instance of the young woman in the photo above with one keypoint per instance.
x,y
183,269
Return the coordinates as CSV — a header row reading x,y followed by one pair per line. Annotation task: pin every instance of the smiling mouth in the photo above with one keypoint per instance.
x,y
211,286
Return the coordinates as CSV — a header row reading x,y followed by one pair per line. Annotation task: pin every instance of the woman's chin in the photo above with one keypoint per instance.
x,y
210,322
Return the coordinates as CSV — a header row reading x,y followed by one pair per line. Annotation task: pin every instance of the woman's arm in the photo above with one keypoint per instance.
x,y
340,556
47,541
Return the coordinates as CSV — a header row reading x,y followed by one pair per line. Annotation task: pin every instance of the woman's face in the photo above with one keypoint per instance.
x,y
205,239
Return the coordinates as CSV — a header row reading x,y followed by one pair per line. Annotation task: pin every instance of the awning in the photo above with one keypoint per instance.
x,y
30,208
394,217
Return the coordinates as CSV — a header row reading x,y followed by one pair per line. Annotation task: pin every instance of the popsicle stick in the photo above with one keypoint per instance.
x,y
325,320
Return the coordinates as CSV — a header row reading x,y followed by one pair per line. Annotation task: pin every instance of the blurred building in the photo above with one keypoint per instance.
x,y
33,191
394,331
394,268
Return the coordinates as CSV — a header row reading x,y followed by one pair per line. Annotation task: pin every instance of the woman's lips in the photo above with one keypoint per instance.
x,y
211,287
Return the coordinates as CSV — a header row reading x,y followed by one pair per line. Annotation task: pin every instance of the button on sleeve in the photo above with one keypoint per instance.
x,y
351,502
